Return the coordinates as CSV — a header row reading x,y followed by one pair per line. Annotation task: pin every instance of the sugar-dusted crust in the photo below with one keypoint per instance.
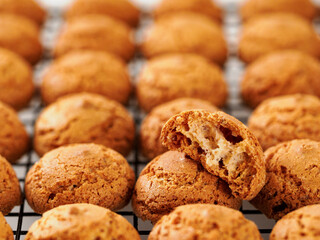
x,y
81,221
274,32
186,32
171,180
292,178
205,7
302,224
203,222
122,10
87,71
223,145
98,33
5,230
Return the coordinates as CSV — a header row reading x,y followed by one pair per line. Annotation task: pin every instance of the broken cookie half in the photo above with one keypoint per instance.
x,y
223,145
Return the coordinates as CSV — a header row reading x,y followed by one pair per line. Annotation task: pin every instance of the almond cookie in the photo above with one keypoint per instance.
x,y
26,8
222,144
151,126
171,180
84,118
205,7
280,73
16,82
185,32
274,32
87,71
81,221
292,170
303,224
204,221
169,77
122,10
6,232
254,8
96,32
286,118
14,140
10,194
79,173
20,35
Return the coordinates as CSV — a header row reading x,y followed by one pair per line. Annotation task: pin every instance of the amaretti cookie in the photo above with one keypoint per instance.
x,y
26,8
286,118
222,144
79,173
280,73
171,180
122,10
151,126
169,77
84,118
253,8
81,221
10,194
96,32
20,35
274,32
6,232
204,221
292,172
14,140
205,7
16,81
303,224
185,33
87,71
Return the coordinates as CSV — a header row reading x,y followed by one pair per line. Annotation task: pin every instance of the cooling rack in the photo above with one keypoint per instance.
x,y
21,218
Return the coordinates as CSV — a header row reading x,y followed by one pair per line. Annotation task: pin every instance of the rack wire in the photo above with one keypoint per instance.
x,y
23,216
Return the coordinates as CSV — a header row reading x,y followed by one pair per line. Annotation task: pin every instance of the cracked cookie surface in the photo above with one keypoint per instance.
x,y
84,118
286,118
79,173
204,221
292,172
171,180
81,221
6,232
222,144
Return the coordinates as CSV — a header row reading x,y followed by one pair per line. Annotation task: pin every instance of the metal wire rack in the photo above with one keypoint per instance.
x,y
23,216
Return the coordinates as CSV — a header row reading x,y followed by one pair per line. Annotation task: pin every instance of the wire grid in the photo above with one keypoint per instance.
x,y
23,216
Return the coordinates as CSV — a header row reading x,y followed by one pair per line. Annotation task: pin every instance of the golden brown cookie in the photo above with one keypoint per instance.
x,y
186,32
6,232
84,118
16,81
151,126
87,71
205,7
280,73
254,8
26,8
303,224
96,32
10,194
20,35
82,221
286,118
122,10
14,140
169,77
204,221
79,173
171,180
292,172
274,32
222,144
